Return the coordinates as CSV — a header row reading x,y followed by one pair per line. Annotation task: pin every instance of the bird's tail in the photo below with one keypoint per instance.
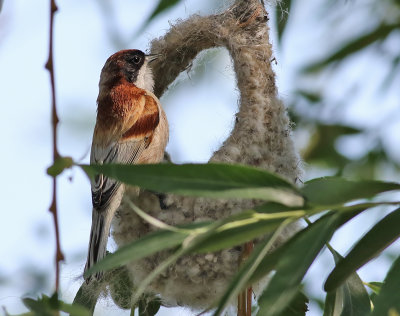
x,y
101,222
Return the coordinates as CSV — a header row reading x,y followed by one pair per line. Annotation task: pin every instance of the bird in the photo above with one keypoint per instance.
x,y
131,128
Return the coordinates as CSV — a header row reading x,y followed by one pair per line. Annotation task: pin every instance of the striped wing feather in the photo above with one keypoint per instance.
x,y
126,149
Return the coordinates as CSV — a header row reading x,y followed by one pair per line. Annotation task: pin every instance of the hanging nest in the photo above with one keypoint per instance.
x,y
261,137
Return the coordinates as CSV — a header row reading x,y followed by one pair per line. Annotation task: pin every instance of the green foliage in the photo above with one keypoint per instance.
x,y
377,35
148,245
298,305
312,95
290,261
149,307
49,306
210,180
282,15
60,164
86,297
371,245
321,148
333,191
292,264
162,6
245,272
387,301
374,286
121,287
351,298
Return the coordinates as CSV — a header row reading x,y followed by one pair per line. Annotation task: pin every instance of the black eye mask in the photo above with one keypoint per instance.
x,y
134,61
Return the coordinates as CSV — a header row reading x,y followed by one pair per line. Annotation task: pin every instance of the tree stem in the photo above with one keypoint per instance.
x,y
54,120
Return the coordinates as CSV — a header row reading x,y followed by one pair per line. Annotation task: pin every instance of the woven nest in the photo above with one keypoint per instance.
x,y
261,137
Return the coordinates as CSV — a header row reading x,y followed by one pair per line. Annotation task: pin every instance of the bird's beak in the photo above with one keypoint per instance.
x,y
152,57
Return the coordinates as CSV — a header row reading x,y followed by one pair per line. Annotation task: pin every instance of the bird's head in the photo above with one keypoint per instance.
x,y
131,65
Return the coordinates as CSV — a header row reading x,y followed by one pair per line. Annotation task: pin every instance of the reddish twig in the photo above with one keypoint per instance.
x,y
241,304
249,295
54,121
249,299
245,297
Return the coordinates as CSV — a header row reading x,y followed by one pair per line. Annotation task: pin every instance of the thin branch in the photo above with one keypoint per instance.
x,y
54,119
245,297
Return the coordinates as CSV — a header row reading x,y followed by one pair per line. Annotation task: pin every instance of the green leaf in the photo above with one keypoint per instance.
x,y
232,231
245,272
388,300
334,191
374,286
188,246
74,310
162,6
149,307
149,244
298,306
271,207
364,206
38,307
59,165
86,297
49,306
282,16
368,247
271,260
321,147
121,287
244,227
351,299
333,304
294,261
312,97
377,35
207,180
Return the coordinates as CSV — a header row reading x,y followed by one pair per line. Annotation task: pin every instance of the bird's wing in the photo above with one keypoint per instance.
x,y
126,149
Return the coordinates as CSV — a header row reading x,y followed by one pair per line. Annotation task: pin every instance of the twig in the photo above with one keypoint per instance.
x,y
54,120
245,297
249,300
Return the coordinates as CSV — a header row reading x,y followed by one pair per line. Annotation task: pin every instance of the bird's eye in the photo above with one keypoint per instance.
x,y
136,59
